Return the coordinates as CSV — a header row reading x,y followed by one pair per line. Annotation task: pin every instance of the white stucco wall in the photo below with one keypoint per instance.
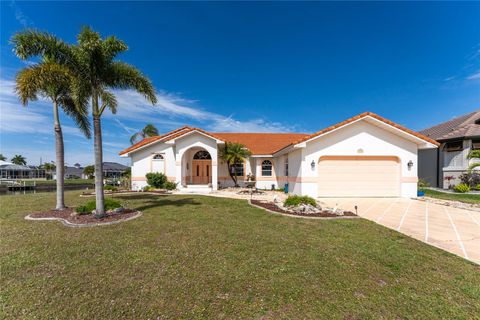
x,y
360,138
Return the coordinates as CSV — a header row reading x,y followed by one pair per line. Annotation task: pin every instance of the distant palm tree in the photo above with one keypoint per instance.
x,y
234,153
19,160
95,61
2,157
148,131
51,79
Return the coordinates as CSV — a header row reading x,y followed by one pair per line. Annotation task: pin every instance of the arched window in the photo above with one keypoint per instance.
x,y
267,168
158,157
202,155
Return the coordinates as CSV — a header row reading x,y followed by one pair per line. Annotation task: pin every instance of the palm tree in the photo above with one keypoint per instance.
x,y
232,154
19,160
2,157
53,80
95,62
89,171
148,131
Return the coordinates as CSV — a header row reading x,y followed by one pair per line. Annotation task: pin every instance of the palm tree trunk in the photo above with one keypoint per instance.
x,y
232,175
60,159
97,138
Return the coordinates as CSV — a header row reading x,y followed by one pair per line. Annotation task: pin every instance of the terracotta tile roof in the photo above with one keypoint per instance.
x,y
261,143
268,143
357,117
457,128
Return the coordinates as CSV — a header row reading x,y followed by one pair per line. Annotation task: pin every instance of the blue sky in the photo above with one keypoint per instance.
x,y
269,66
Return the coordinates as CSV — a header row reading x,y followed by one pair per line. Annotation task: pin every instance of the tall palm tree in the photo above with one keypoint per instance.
x,y
234,153
19,160
53,80
148,131
95,61
2,157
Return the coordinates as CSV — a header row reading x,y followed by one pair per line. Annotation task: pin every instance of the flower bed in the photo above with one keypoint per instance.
x,y
324,213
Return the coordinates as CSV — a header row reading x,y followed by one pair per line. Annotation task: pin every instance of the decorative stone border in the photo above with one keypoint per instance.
x,y
303,217
88,195
81,225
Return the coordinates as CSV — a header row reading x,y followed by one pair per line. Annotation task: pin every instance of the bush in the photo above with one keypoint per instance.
x,y
297,200
148,188
474,154
110,188
423,184
88,207
477,187
471,179
462,188
169,185
156,180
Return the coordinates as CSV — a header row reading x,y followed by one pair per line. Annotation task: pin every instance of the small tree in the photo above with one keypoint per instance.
x,y
2,157
232,154
89,170
19,160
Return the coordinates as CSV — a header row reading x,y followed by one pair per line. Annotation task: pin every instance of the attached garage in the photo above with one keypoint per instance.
x,y
359,176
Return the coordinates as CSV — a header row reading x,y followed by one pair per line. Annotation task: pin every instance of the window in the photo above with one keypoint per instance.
x,y
267,168
453,146
237,169
202,155
286,166
158,157
476,144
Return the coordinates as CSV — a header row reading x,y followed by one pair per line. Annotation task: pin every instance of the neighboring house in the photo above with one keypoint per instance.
x,y
10,171
113,170
75,172
441,167
365,155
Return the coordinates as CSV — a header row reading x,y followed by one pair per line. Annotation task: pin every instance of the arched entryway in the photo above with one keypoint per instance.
x,y
201,172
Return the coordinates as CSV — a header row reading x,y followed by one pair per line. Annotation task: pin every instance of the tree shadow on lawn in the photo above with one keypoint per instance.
x,y
154,201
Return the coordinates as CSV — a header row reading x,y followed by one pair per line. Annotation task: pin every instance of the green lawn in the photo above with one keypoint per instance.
x,y
67,181
195,257
468,198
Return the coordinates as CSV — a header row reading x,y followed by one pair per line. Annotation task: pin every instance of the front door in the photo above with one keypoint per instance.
x,y
201,171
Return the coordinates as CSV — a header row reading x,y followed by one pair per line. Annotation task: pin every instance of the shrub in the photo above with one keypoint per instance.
x,y
423,184
169,185
297,200
156,180
462,188
474,154
477,187
148,188
110,188
471,179
88,207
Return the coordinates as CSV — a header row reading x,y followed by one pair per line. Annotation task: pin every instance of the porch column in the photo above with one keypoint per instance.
x,y
214,175
178,169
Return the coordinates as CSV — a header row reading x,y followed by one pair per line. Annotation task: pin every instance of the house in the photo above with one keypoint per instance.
x,y
113,170
10,171
457,137
366,155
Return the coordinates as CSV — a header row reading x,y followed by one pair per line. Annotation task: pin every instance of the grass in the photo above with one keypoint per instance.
x,y
67,182
194,257
467,198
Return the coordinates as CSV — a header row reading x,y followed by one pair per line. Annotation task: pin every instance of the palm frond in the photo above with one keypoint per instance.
x,y
108,100
121,75
77,112
134,137
31,43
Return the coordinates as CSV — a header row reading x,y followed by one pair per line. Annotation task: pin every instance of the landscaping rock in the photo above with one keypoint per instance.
x,y
305,209
119,210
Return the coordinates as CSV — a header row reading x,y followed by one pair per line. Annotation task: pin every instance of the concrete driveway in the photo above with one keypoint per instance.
x,y
451,229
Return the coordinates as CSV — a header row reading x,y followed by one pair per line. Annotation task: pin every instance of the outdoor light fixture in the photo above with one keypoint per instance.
x,y
410,164
313,165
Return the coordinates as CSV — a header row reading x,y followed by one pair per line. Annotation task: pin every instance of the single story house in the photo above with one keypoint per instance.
x,y
10,171
363,156
441,167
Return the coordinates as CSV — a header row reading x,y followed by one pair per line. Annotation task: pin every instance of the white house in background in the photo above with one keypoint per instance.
x,y
364,156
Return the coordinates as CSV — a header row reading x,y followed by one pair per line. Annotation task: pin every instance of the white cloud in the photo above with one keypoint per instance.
x,y
474,76
21,18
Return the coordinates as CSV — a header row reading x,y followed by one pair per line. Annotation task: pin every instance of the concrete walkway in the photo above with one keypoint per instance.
x,y
451,229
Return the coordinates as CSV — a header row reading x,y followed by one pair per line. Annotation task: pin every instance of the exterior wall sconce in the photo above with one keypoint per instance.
x,y
410,164
312,165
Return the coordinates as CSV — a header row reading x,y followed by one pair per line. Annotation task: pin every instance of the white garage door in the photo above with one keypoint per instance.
x,y
358,176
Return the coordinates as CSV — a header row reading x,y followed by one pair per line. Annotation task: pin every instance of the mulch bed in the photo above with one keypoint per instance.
x,y
324,214
85,219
